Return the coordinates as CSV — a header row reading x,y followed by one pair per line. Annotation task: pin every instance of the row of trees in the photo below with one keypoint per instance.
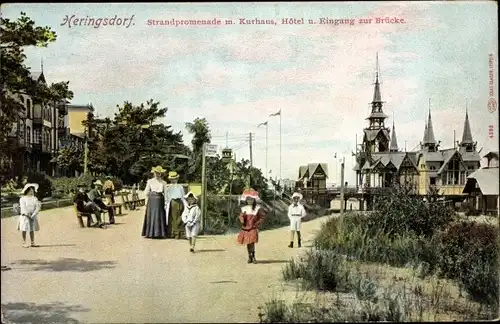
x,y
16,80
128,145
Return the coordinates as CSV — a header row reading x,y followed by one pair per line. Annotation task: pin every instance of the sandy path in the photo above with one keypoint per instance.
x,y
115,275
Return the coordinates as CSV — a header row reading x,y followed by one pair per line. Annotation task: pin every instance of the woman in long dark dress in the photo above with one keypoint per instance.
x,y
155,219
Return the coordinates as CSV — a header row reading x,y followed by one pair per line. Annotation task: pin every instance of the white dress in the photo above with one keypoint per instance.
x,y
30,207
295,214
191,217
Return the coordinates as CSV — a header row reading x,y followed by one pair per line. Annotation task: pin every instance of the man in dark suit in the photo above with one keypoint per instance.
x,y
85,205
96,196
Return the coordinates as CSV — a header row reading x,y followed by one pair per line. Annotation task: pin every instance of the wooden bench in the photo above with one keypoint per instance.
x,y
80,216
117,208
128,204
138,201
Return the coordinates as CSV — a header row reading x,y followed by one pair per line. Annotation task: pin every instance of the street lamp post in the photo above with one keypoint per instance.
x,y
85,151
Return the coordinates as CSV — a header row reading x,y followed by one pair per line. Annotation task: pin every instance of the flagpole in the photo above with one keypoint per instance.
x,y
280,145
267,125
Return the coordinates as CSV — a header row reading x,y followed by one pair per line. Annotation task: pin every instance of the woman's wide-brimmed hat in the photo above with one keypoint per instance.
x,y
158,169
173,175
29,185
190,194
296,194
98,182
250,193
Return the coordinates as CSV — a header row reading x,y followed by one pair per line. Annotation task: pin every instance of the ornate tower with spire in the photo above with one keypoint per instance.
x,y
376,135
429,143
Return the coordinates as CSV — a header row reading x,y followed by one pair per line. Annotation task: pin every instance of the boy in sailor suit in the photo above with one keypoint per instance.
x,y
296,212
191,219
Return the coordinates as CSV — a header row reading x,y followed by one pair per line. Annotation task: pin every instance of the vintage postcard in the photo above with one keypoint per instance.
x,y
263,162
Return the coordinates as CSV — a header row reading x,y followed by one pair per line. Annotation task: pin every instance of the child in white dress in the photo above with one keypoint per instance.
x,y
191,218
296,212
30,207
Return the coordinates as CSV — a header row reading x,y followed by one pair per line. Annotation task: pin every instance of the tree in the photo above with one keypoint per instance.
x,y
130,144
201,134
16,79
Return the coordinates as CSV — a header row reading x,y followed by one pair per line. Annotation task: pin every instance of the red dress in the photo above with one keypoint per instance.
x,y
250,221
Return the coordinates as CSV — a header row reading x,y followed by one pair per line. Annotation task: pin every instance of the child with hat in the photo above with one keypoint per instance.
x,y
191,218
251,217
296,212
30,207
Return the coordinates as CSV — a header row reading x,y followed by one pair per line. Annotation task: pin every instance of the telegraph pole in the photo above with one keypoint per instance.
x,y
85,152
342,187
203,188
250,146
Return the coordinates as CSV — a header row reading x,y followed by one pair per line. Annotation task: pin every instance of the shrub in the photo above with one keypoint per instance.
x,y
43,181
400,212
321,270
468,253
356,236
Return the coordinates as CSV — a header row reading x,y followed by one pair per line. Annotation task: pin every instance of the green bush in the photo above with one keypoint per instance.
x,y
321,270
44,184
400,212
468,253
356,236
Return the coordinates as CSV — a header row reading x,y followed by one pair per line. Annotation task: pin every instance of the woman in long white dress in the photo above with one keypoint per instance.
x,y
30,207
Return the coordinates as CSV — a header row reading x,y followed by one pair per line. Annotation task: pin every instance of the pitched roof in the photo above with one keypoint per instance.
x,y
487,180
312,167
371,134
492,154
302,171
37,76
447,155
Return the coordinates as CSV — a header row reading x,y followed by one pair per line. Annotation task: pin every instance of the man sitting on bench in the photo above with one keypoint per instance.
x,y
85,205
95,195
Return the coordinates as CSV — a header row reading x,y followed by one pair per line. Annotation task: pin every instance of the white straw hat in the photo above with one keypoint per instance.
x,y
29,185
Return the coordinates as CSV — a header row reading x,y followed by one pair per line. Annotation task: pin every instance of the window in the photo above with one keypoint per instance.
x,y
462,177
433,168
433,181
37,111
28,107
15,128
453,173
37,136
21,128
28,135
423,167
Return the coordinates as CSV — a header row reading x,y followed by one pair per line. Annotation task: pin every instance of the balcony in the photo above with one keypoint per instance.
x,y
37,121
44,148
63,131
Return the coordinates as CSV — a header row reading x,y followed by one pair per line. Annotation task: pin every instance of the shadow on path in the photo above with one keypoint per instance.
x,y
53,245
40,313
66,264
272,261
211,250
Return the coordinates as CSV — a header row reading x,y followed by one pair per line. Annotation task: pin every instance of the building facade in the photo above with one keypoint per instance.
x,y
35,135
381,164
482,187
41,130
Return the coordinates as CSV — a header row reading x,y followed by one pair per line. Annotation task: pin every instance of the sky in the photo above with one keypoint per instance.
x,y
319,75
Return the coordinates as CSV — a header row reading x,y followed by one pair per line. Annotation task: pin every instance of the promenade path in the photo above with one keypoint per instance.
x,y
113,275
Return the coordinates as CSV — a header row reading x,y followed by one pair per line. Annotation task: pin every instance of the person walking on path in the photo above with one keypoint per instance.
x,y
296,212
30,207
191,218
176,203
109,188
251,217
155,217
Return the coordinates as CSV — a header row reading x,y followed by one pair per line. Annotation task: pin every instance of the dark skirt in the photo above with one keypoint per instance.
x,y
176,228
155,219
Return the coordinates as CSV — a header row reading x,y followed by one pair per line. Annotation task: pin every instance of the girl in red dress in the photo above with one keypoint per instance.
x,y
251,217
